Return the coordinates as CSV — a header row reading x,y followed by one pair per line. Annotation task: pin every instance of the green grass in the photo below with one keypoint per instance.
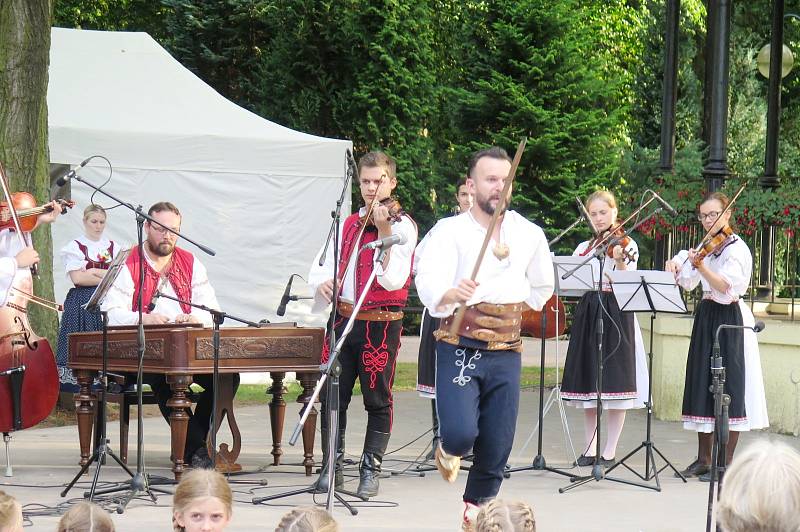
x,y
405,379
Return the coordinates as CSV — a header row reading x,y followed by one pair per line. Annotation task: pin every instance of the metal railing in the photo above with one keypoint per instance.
x,y
774,280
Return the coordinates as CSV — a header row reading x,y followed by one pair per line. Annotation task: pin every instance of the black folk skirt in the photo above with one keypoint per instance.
x,y
74,319
426,366
619,352
698,401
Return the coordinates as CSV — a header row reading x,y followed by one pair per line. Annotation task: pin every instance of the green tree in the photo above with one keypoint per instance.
x,y
24,56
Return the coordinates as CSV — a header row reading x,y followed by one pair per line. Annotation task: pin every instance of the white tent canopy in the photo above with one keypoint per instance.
x,y
257,193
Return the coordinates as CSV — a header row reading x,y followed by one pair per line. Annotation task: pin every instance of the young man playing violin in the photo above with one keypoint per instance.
x,y
478,368
370,350
724,272
177,273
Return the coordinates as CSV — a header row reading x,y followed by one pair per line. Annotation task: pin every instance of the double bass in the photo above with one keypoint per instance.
x,y
28,374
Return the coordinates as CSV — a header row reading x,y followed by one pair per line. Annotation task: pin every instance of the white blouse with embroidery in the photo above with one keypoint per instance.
x,y
734,264
72,256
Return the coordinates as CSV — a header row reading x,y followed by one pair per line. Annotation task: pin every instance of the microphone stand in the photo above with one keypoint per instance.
x,y
218,317
722,402
598,471
139,482
333,367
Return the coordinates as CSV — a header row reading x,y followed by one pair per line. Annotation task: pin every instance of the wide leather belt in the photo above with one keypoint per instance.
x,y
346,310
496,324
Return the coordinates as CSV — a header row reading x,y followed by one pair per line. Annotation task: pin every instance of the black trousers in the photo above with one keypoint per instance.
x,y
369,354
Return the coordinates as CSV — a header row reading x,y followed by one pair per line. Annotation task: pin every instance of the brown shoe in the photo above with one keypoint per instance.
x,y
447,464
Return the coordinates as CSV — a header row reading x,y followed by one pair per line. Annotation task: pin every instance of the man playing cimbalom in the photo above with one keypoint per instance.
x,y
175,272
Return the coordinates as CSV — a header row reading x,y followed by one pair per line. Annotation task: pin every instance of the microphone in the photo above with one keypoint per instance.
x,y
153,301
61,181
663,202
386,243
757,328
285,299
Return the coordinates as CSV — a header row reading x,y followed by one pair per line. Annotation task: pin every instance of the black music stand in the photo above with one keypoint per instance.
x,y
648,291
101,441
574,285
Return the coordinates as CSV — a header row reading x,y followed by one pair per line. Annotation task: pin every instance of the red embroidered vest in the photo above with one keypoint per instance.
x,y
178,273
101,264
377,296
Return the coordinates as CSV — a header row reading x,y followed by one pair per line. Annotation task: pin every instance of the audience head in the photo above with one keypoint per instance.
x,y
505,516
202,501
86,517
307,519
10,513
761,490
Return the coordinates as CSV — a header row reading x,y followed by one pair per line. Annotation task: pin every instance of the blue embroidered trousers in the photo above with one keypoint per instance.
x,y
477,397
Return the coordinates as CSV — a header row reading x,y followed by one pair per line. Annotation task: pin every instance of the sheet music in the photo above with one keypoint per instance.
x,y
647,291
581,281
93,305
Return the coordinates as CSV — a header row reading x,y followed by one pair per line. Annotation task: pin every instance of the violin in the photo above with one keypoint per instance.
x,y
27,211
395,211
712,244
28,372
622,240
549,322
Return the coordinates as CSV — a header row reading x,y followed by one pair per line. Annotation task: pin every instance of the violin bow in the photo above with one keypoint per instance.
x,y
358,238
500,210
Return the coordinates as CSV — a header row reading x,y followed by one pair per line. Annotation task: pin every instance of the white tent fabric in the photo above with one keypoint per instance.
x,y
257,193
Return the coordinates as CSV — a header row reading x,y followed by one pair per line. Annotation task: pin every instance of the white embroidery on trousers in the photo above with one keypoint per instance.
x,y
462,379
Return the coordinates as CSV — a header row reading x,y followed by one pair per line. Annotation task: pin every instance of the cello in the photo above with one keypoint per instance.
x,y
28,374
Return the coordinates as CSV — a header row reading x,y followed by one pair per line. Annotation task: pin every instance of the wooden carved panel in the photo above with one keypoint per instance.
x,y
244,347
123,349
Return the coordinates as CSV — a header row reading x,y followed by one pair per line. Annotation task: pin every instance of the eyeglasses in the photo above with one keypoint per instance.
x,y
710,216
161,230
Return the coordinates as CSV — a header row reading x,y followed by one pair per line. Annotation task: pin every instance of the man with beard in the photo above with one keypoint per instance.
x,y
177,273
478,369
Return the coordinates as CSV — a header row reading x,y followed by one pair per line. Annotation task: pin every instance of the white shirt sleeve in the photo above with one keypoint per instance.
x,y
398,269
540,275
318,275
72,257
437,272
736,269
688,276
202,294
118,300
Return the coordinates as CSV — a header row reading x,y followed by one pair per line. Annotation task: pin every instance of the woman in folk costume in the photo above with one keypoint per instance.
x,y
625,368
724,275
86,260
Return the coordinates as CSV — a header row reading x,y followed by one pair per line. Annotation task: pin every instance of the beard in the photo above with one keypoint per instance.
x,y
161,249
485,204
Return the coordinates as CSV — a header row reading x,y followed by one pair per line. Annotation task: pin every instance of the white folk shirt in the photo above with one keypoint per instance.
x,y
452,250
9,247
72,256
119,300
394,276
734,264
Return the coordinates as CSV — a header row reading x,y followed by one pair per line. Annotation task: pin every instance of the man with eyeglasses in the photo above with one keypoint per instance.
x,y
177,273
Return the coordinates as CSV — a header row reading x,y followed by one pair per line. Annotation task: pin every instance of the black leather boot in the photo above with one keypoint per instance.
x,y
369,468
321,485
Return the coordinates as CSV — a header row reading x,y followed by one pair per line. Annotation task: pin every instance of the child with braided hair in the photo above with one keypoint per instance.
x,y
498,515
10,513
86,517
307,519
